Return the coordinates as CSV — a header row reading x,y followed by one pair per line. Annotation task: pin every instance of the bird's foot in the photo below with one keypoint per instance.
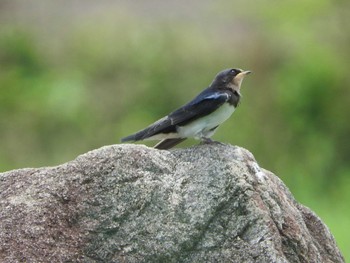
x,y
209,141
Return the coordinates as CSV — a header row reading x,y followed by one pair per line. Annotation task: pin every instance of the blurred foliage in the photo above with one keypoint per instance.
x,y
77,77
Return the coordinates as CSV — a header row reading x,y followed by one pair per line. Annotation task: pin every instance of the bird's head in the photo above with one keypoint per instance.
x,y
230,78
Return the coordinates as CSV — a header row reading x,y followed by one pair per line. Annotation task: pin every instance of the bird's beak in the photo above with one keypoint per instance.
x,y
245,72
240,76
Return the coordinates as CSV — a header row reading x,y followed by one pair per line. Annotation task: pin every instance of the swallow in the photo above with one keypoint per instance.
x,y
199,118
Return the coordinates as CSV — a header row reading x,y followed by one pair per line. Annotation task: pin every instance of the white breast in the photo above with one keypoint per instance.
x,y
200,128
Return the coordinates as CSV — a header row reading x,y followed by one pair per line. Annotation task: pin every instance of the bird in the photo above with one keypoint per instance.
x,y
200,117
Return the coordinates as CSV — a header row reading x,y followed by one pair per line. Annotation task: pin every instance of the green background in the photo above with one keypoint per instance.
x,y
77,75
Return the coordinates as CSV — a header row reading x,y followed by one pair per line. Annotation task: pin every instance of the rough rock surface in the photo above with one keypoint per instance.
x,y
130,203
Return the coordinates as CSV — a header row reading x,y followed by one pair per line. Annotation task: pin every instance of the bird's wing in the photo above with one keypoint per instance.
x,y
205,103
202,105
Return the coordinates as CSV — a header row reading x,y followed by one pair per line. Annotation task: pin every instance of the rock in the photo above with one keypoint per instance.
x,y
130,203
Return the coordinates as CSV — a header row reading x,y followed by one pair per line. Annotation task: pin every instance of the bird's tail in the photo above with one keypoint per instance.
x,y
127,139
160,126
138,136
168,143
130,138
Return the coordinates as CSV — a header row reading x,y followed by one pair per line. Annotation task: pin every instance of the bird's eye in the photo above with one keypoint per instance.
x,y
232,71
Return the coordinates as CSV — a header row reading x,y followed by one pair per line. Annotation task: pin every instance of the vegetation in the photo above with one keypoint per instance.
x,y
72,81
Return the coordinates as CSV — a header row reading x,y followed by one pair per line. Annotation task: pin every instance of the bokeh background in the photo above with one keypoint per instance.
x,y
77,75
